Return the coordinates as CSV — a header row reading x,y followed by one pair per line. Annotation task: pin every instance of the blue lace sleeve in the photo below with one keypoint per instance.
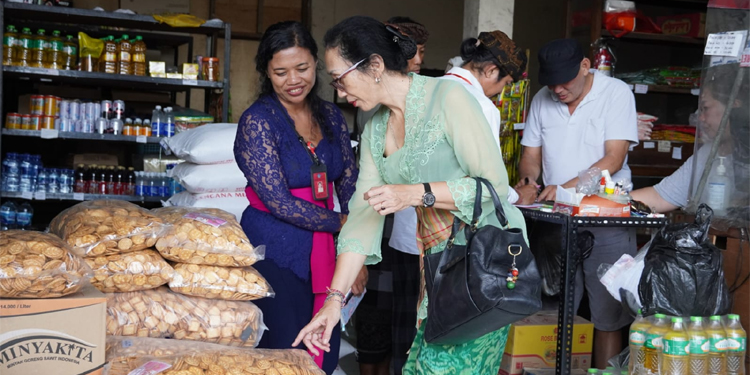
x,y
257,154
345,185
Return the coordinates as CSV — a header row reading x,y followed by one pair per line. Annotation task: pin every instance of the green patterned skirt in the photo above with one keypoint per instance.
x,y
478,357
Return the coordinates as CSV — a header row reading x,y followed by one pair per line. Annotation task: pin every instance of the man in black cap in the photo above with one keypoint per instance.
x,y
580,120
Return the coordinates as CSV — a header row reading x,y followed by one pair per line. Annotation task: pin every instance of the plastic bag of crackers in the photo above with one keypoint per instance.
x,y
38,265
128,272
205,236
161,313
228,283
175,357
107,227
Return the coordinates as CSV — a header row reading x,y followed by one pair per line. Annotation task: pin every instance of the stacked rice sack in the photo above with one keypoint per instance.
x,y
208,152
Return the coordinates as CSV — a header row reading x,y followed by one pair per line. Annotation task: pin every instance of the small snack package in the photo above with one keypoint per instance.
x,y
139,270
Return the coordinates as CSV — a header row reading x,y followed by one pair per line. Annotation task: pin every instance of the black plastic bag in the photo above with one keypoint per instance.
x,y
683,274
545,242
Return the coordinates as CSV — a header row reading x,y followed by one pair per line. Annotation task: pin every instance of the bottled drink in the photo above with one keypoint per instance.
x,y
121,181
70,53
717,338
736,345
592,371
101,181
111,180
145,129
11,172
165,185
27,179
156,119
55,55
53,185
167,127
653,343
64,180
80,179
154,184
127,129
699,346
8,215
108,61
93,176
124,58
24,47
139,56
38,49
9,45
637,339
719,188
140,184
41,181
24,215
676,349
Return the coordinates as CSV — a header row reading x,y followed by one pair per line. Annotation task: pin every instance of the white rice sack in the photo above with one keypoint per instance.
x,y
232,202
207,144
216,178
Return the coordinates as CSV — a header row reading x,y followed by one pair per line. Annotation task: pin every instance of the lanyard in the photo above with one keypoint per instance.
x,y
456,75
307,145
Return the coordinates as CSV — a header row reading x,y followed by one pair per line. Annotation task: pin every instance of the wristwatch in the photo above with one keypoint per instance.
x,y
428,199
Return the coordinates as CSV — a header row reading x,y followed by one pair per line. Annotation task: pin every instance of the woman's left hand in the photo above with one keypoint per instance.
x,y
388,199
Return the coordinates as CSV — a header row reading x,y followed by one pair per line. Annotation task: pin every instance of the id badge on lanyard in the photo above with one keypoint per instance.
x,y
318,176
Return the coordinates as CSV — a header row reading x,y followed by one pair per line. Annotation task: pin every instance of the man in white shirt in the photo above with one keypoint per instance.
x,y
583,119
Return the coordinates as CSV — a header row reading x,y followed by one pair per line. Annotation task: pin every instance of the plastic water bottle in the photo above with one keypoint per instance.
x,y
140,185
719,188
717,338
699,346
11,174
41,181
637,339
164,182
8,215
168,123
24,215
676,349
156,118
64,180
736,345
153,184
53,184
653,343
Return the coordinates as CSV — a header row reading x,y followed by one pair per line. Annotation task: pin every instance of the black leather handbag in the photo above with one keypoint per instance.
x,y
480,287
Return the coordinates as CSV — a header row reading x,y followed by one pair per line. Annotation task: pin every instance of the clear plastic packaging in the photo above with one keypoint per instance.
x,y
107,227
38,265
205,236
588,181
198,358
129,272
162,313
236,284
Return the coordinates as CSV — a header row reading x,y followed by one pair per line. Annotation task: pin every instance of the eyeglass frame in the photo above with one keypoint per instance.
x,y
336,83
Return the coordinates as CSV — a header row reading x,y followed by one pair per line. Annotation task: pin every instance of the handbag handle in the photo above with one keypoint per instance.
x,y
499,212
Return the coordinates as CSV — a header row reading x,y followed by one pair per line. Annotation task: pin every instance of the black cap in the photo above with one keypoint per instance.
x,y
559,61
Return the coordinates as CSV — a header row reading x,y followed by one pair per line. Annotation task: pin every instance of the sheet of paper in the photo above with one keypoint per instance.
x,y
665,146
677,153
641,89
348,310
649,145
728,43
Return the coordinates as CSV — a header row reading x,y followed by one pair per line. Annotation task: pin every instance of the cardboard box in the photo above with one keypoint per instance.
x,y
593,205
98,159
60,336
150,7
532,343
691,25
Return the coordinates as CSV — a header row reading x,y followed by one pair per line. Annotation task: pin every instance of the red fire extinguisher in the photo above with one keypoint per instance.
x,y
604,58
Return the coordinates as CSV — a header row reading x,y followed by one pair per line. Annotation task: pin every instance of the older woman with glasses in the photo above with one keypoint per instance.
x,y
420,149
292,146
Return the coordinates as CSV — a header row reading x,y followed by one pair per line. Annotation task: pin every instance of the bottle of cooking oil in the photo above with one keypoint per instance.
x,y
736,345
638,331
38,49
699,346
10,38
70,53
55,54
676,349
124,58
653,344
139,56
23,47
717,339
108,61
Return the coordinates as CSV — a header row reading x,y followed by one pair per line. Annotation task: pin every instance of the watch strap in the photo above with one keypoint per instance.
x,y
427,188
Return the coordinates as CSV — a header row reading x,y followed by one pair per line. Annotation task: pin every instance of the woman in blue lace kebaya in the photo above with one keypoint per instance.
x,y
420,149
288,134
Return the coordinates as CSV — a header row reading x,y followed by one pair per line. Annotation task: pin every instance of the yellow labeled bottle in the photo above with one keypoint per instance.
x,y
139,56
637,339
23,47
676,349
736,345
699,346
124,56
653,344
55,54
10,38
70,53
108,60
38,49
717,340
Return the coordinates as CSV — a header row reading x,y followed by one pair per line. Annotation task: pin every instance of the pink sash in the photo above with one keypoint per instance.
x,y
323,255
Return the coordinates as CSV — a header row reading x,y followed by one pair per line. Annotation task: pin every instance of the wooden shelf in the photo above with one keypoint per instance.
x,y
666,89
659,38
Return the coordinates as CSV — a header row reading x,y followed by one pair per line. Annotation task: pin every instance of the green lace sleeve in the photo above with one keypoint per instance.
x,y
464,191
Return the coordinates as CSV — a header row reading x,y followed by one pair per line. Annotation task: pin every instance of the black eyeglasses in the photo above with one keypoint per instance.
x,y
336,83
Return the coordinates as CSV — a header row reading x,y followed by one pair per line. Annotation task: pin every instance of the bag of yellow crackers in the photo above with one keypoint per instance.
x,y
206,236
128,272
162,313
175,357
38,265
107,227
236,284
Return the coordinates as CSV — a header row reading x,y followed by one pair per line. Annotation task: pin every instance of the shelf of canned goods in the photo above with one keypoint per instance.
x,y
53,134
78,197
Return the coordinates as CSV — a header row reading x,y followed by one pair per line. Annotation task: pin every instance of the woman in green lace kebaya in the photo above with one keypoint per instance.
x,y
420,149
